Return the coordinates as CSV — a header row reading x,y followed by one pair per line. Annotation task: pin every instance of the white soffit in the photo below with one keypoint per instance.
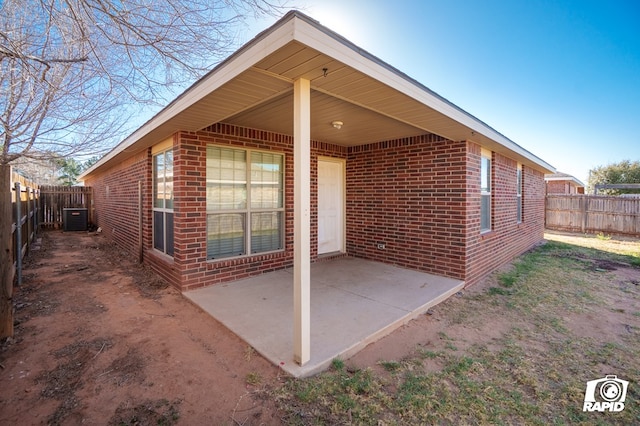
x,y
337,47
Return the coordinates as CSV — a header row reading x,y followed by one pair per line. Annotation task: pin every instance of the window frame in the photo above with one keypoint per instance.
x,y
519,197
486,191
167,231
248,211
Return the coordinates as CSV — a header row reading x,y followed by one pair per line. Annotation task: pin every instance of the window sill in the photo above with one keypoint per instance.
x,y
487,235
239,260
160,255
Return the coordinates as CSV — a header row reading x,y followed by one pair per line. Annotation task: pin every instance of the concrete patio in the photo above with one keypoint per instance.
x,y
354,302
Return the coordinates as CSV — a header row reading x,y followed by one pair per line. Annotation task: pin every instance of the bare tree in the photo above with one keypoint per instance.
x,y
43,171
71,69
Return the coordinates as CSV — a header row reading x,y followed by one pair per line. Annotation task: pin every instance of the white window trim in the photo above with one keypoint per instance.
x,y
485,153
519,198
161,149
248,210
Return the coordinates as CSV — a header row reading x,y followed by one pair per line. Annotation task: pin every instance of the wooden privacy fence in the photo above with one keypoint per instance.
x,y
24,202
593,214
53,199
34,206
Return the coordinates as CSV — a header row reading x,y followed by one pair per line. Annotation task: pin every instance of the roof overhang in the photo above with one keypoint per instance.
x,y
254,88
564,178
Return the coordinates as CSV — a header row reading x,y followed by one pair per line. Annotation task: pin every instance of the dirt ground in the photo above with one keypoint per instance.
x,y
427,330
99,340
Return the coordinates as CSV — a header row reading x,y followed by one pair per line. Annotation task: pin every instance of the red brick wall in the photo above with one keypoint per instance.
x,y
508,239
190,203
115,194
420,197
562,187
409,195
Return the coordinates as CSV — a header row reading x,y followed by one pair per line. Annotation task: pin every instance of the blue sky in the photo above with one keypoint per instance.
x,y
560,78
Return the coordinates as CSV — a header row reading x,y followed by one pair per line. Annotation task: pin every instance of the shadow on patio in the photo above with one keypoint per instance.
x,y
354,302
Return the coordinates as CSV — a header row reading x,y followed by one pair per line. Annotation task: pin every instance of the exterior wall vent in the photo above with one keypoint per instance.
x,y
74,219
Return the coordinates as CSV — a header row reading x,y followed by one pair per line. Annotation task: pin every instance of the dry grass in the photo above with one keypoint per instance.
x,y
572,314
625,246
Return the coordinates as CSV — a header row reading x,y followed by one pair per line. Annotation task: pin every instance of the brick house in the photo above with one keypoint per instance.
x,y
562,183
302,146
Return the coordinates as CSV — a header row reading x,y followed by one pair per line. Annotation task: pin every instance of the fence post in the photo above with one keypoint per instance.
x,y
140,222
583,203
546,209
27,215
18,233
36,211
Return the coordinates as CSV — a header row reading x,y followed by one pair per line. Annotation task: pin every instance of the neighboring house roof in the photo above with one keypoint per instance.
x,y
563,176
376,102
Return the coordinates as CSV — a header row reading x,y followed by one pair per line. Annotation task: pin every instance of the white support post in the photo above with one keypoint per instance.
x,y
302,221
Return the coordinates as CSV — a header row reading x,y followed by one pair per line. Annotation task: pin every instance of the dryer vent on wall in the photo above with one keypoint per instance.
x,y
74,219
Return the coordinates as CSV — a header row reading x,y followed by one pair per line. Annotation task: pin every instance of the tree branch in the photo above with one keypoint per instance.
x,y
5,52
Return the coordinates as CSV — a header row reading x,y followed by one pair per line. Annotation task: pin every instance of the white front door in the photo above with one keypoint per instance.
x,y
330,205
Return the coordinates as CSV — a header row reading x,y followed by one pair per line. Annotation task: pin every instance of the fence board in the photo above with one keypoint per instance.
x,y
34,206
593,214
24,224
53,199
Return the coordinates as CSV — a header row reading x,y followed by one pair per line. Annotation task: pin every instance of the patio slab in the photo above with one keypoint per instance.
x,y
354,302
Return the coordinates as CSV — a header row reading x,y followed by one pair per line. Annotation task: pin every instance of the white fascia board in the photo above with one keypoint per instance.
x,y
251,53
337,47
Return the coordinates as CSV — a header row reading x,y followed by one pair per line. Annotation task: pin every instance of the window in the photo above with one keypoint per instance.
x,y
245,202
163,202
485,191
519,194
